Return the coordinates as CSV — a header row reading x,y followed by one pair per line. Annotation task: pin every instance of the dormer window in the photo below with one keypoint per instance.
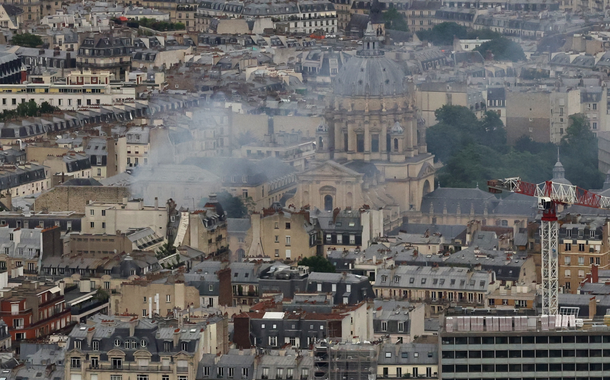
x,y
117,343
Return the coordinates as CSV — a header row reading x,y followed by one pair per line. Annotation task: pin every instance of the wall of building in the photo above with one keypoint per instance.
x,y
258,124
136,298
64,198
527,114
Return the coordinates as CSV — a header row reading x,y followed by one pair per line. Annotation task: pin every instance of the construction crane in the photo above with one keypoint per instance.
x,y
550,195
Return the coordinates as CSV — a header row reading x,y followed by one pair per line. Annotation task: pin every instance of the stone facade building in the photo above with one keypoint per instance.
x,y
372,148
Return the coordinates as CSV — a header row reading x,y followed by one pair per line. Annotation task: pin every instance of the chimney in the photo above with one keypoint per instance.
x,y
594,274
592,307
133,322
90,333
156,203
176,337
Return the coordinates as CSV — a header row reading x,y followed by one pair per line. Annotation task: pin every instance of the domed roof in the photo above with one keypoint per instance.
x,y
369,72
397,129
559,173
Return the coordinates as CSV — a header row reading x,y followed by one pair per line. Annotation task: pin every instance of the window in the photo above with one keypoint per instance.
x,y
277,239
581,260
77,344
231,372
117,363
319,287
581,273
220,371
360,142
75,362
244,372
277,225
91,212
280,373
388,354
273,341
375,143
384,326
567,273
116,377
287,225
206,371
567,260
288,240
265,374
142,377
92,224
289,373
117,343
304,373
168,298
401,326
581,247
95,345
95,362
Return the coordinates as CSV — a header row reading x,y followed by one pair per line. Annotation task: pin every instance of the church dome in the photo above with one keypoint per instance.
x,y
369,72
397,129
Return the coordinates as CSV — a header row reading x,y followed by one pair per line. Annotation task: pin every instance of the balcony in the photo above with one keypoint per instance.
x,y
151,367
182,369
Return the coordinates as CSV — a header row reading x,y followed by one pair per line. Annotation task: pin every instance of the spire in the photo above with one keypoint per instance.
x,y
558,160
370,43
558,171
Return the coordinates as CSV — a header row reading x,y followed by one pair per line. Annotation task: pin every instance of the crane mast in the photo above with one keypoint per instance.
x,y
550,195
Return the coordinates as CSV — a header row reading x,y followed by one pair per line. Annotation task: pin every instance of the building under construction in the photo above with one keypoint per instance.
x,y
345,361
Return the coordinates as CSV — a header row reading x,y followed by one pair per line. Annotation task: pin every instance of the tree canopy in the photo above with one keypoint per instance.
x,y
395,20
28,109
502,49
474,151
318,264
161,26
27,40
445,32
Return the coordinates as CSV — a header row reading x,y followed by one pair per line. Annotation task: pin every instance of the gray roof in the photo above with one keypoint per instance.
x,y
416,277
373,76
409,353
238,225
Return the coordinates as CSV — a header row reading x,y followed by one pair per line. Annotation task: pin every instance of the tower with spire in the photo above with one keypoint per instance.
x,y
559,173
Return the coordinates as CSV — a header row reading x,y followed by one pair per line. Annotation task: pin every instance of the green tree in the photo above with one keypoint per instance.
x,y
318,264
443,33
46,108
502,49
27,40
101,295
395,20
474,151
165,250
579,154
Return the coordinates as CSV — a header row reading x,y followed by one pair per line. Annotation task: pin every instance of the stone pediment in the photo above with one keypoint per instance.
x,y
426,170
331,169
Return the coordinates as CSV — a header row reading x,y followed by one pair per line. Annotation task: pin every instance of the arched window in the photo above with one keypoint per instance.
x,y
396,145
328,202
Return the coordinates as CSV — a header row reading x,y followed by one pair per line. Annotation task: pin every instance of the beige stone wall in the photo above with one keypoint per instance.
x,y
70,198
274,233
40,153
528,114
257,124
130,298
